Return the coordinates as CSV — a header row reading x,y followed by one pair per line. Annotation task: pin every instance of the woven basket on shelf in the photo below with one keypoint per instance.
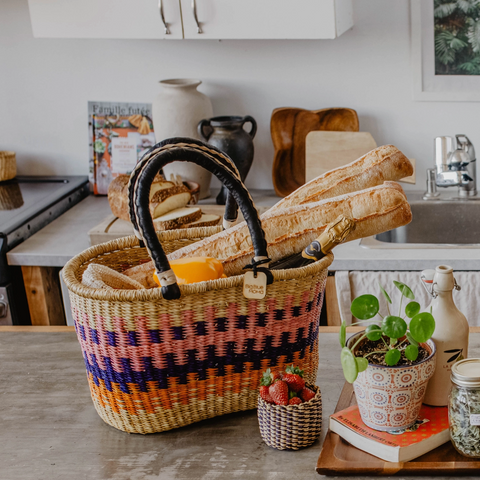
x,y
291,427
8,166
155,364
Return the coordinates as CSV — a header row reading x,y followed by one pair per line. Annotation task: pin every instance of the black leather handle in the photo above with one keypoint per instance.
x,y
231,209
184,149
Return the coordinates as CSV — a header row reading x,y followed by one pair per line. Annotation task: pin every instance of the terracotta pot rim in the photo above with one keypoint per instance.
x,y
180,82
429,343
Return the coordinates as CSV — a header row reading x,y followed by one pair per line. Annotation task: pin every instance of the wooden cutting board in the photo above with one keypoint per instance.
x,y
325,151
112,227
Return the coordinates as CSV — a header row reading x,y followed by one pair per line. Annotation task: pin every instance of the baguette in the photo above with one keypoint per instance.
x,y
289,231
381,164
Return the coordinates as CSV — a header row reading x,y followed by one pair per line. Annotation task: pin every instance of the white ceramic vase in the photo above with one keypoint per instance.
x,y
177,110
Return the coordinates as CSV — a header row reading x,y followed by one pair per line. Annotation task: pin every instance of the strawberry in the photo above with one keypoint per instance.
x,y
295,401
279,392
276,376
265,394
306,394
294,379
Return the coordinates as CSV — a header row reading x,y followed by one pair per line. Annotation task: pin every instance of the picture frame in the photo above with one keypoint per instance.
x,y
426,85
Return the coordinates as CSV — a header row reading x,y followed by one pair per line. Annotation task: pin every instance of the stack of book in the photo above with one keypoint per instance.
x,y
430,431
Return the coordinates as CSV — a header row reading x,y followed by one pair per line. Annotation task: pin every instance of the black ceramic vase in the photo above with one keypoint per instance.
x,y
227,134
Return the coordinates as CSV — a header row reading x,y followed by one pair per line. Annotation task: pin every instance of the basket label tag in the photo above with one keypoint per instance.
x,y
475,419
254,288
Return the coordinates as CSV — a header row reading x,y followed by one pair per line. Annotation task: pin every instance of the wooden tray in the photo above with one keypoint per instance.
x,y
338,457
289,128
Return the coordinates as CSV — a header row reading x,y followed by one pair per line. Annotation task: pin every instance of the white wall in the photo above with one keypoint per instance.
x,y
45,85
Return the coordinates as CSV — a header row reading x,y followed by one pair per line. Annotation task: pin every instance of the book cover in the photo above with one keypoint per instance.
x,y
430,431
119,135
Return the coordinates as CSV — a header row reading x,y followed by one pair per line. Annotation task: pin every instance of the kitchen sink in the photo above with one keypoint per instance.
x,y
435,224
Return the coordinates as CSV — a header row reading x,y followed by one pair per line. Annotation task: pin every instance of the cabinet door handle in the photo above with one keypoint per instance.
x,y
162,16
195,16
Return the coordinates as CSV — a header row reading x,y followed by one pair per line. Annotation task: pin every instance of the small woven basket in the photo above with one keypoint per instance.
x,y
8,166
291,427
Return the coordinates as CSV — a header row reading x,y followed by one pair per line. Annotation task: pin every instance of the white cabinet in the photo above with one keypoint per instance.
x,y
105,18
266,19
202,19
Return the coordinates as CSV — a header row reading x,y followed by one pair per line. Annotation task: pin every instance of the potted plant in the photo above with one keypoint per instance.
x,y
390,362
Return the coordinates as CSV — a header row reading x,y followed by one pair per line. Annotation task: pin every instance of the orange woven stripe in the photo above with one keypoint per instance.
x,y
194,390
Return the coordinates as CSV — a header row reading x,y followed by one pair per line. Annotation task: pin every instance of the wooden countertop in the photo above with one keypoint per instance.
x,y
50,428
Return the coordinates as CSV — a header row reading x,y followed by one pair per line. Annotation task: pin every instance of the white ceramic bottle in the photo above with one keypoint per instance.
x,y
177,111
450,336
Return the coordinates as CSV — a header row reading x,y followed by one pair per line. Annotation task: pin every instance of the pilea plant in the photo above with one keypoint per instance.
x,y
393,330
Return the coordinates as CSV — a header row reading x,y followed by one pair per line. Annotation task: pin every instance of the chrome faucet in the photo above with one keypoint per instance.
x,y
455,166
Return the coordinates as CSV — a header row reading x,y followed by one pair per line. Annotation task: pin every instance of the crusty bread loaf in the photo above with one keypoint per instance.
x,y
168,199
289,231
377,166
118,194
118,197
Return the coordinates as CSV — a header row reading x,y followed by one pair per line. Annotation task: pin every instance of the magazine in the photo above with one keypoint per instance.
x,y
119,135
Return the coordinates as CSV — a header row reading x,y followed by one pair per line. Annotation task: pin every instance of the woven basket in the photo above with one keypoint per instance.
x,y
291,427
155,364
8,166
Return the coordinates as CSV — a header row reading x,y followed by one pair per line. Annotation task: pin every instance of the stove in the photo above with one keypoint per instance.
x,y
28,204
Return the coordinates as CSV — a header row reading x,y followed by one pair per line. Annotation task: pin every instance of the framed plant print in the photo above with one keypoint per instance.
x,y
446,50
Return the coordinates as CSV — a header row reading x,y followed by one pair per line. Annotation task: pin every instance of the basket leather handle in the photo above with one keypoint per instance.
x,y
231,207
185,149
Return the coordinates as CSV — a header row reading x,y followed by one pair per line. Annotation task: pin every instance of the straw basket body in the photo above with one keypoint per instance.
x,y
154,365
291,427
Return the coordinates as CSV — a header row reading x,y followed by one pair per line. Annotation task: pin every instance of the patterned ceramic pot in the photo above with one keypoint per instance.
x,y
389,398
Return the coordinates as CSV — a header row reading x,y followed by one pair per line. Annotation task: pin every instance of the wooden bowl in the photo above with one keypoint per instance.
x,y
289,128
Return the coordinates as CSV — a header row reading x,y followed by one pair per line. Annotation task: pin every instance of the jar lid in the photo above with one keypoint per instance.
x,y
466,373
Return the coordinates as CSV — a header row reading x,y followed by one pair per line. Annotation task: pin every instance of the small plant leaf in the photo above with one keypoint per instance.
x,y
405,289
422,326
412,309
393,341
411,340
349,365
394,327
385,294
365,307
411,352
373,332
362,364
392,357
342,336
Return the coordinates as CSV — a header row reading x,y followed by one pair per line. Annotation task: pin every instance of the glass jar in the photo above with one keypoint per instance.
x,y
464,407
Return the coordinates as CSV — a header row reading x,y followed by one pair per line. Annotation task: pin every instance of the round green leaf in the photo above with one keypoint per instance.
x,y
411,352
392,357
365,307
385,294
373,332
343,334
405,289
412,309
411,340
394,327
362,364
422,326
349,365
